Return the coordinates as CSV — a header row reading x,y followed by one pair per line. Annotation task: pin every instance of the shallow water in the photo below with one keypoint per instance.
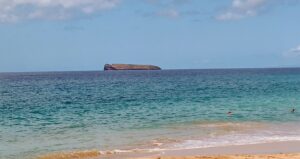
x,y
61,111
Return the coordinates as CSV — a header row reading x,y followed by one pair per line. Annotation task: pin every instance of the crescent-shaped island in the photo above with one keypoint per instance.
x,y
108,67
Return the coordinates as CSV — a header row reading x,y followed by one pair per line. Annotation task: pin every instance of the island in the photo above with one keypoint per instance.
x,y
108,67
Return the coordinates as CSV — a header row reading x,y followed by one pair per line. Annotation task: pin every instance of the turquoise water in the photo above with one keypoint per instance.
x,y
60,111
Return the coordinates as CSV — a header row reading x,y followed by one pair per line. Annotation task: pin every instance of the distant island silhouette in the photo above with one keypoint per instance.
x,y
108,67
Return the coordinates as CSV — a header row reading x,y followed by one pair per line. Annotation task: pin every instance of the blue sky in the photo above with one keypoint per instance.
x,y
68,35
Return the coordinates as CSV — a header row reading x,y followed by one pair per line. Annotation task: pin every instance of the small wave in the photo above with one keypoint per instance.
x,y
232,140
187,144
241,133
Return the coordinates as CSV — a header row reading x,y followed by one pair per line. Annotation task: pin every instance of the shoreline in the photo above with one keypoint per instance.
x,y
242,151
283,149
270,156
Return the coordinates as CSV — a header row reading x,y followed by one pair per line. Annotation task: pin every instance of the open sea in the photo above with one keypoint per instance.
x,y
48,112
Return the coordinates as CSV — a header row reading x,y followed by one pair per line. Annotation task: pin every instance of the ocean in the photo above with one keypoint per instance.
x,y
47,112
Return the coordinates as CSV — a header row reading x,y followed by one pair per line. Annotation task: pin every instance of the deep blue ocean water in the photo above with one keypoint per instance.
x,y
61,111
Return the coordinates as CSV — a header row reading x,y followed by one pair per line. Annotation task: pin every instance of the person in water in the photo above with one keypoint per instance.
x,y
293,110
229,113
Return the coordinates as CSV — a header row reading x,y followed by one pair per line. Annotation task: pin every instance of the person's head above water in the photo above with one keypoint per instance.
x,y
293,110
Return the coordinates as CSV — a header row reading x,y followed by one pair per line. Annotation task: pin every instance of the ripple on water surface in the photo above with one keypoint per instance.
x,y
60,111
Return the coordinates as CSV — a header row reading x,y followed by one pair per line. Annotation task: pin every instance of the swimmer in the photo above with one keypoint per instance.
x,y
293,110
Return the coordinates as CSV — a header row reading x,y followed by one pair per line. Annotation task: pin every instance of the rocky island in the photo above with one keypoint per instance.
x,y
129,67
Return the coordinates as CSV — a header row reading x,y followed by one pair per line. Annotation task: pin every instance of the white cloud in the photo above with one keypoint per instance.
x,y
18,10
296,49
294,52
240,9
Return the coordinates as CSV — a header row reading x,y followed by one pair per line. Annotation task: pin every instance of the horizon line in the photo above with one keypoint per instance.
x,y
216,68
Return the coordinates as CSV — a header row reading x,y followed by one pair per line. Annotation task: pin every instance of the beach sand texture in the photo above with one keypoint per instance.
x,y
278,150
275,156
94,155
72,155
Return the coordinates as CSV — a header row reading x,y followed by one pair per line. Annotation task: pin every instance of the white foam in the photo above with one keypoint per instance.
x,y
256,135
235,139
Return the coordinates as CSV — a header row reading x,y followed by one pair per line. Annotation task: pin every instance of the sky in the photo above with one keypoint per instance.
x,y
77,35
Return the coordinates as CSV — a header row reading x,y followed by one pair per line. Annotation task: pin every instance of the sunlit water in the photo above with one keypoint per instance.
x,y
49,112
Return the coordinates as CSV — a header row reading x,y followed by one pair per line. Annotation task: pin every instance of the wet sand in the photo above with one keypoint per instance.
x,y
275,156
276,150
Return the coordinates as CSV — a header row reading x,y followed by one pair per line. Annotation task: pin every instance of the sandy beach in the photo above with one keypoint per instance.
x,y
287,147
277,150
275,156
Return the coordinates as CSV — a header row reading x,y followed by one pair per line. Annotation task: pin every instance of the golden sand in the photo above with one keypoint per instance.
x,y
279,150
72,155
276,156
96,154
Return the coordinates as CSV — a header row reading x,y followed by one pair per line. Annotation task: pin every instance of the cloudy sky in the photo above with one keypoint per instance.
x,y
67,35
